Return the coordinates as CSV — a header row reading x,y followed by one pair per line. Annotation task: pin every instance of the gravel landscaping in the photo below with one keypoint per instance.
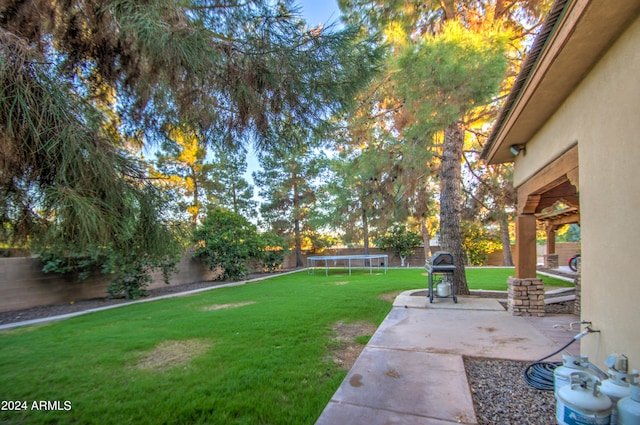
x,y
501,396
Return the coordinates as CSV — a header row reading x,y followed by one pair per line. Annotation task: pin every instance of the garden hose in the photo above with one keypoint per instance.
x,y
539,374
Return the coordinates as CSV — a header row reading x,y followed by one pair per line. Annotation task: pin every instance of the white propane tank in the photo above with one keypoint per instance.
x,y
582,403
570,364
617,384
443,289
629,407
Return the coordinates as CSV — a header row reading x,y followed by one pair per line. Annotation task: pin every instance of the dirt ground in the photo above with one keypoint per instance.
x,y
348,348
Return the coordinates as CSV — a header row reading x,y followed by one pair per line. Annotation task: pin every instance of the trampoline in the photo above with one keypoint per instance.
x,y
376,261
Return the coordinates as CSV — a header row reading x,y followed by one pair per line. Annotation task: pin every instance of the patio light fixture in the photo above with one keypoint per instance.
x,y
516,149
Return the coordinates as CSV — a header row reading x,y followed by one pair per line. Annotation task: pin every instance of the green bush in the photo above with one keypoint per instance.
x,y
400,240
132,277
130,273
143,243
478,242
229,242
272,251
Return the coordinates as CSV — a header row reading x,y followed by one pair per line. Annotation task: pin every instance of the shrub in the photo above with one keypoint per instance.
x,y
400,240
228,241
132,277
131,273
142,243
271,251
478,242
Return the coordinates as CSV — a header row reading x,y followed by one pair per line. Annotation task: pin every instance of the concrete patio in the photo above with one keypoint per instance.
x,y
412,371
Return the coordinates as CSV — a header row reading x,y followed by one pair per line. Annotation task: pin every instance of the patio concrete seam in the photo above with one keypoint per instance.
x,y
399,412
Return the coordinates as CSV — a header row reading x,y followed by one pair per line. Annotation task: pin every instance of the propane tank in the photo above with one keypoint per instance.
x,y
617,384
570,364
581,402
443,289
628,408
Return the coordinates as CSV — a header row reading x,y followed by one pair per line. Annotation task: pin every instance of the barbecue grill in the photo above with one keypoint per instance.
x,y
440,269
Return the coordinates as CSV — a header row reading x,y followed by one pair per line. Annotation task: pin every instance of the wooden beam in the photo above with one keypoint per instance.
x,y
574,179
568,219
552,175
564,192
526,246
529,205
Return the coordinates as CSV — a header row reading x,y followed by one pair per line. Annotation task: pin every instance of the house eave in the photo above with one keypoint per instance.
x,y
574,42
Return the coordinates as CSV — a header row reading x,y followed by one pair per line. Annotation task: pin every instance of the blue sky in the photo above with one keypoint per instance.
x,y
319,11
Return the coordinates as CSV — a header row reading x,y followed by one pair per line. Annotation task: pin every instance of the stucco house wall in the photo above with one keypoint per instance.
x,y
602,116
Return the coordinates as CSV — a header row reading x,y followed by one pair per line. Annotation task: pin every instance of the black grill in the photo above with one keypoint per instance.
x,y
441,262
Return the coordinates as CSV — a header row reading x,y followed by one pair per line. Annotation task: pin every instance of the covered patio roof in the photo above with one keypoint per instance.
x,y
558,218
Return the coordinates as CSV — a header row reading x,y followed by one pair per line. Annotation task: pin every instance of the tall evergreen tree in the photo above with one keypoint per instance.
x,y
446,62
184,169
287,183
231,190
220,68
459,69
364,192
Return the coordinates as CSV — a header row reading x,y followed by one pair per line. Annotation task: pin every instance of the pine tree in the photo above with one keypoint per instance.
x,y
288,182
228,71
445,64
183,169
231,190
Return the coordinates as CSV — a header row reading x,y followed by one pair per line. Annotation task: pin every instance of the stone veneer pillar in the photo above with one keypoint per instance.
x,y
526,297
578,283
551,261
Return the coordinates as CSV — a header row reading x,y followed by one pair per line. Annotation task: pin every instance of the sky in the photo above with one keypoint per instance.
x,y
319,11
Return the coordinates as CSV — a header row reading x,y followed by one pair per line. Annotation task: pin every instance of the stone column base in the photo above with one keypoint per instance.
x,y
551,261
577,305
526,297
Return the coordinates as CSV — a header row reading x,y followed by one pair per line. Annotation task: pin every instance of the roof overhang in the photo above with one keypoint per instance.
x,y
575,36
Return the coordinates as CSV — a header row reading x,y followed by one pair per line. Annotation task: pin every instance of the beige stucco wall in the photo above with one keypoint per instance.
x,y
603,117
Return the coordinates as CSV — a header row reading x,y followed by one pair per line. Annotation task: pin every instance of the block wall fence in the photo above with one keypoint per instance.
x,y
24,285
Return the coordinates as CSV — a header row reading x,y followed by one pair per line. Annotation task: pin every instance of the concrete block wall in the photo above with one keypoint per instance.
x,y
23,284
416,259
564,250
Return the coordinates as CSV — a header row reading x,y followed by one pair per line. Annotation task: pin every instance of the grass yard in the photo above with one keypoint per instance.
x,y
260,353
495,278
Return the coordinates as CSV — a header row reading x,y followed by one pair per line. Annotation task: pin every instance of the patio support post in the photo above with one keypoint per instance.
x,y
526,291
526,246
551,258
551,238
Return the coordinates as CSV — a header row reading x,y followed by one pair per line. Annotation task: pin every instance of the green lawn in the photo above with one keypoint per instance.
x,y
187,361
491,278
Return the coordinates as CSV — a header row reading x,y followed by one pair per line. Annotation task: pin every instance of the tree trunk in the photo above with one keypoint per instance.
x,y
365,231
426,239
234,190
451,203
296,222
196,200
507,259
